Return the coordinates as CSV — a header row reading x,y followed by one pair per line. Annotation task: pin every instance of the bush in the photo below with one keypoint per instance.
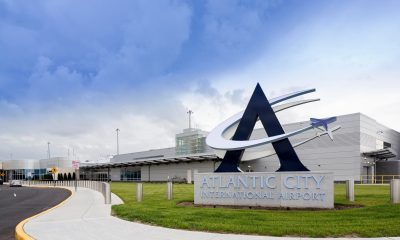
x,y
65,176
73,176
48,176
69,176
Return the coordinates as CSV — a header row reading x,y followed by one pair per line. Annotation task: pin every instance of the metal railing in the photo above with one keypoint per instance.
x,y
101,187
377,179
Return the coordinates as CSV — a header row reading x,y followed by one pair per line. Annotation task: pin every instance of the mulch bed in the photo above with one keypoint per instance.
x,y
337,207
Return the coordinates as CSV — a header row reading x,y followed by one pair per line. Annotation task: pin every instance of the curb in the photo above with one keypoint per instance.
x,y
20,234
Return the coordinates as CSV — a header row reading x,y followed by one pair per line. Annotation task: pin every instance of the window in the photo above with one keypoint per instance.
x,y
130,175
387,145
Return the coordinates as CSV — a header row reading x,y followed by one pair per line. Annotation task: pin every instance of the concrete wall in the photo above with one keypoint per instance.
x,y
162,171
371,131
341,156
21,164
129,157
115,174
55,162
38,164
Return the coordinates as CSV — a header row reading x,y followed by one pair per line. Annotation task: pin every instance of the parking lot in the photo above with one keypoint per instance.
x,y
19,203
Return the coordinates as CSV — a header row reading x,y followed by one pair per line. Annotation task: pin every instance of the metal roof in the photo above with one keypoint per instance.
x,y
155,161
381,153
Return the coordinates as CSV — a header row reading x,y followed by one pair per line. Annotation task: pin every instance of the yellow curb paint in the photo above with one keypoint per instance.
x,y
20,234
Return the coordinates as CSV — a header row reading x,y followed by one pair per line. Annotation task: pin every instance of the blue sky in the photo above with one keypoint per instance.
x,y
73,71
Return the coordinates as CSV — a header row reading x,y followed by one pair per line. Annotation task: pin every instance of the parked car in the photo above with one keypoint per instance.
x,y
16,183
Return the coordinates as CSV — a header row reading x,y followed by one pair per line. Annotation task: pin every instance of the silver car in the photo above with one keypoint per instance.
x,y
16,183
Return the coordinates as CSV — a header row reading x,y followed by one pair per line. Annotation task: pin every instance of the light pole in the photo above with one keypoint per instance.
x,y
117,130
48,150
190,112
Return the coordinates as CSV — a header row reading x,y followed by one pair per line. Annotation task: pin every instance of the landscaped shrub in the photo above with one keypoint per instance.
x,y
48,176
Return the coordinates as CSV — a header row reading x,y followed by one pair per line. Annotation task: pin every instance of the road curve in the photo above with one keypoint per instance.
x,y
19,203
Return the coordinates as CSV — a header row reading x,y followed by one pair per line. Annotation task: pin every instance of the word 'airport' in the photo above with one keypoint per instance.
x,y
313,196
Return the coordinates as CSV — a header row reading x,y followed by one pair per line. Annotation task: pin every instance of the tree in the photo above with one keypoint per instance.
x,y
73,176
65,176
60,177
48,176
69,176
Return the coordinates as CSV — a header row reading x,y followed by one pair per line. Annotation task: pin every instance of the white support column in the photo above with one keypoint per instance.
x,y
350,190
169,190
395,190
189,176
139,192
107,193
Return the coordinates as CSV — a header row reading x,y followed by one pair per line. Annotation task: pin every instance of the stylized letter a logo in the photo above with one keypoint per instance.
x,y
260,108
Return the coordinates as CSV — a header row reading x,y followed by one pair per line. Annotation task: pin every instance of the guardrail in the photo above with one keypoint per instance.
x,y
101,187
377,179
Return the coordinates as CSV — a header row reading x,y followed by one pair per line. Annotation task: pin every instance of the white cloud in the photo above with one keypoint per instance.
x,y
82,71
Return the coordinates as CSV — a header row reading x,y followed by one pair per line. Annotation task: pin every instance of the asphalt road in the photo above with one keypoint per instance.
x,y
19,203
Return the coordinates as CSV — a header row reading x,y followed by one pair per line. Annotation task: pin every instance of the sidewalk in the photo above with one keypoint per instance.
x,y
85,216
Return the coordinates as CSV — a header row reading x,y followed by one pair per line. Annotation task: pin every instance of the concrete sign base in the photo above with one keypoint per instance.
x,y
263,189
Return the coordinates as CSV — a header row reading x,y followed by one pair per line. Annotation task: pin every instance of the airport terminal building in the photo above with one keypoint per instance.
x,y
34,169
362,149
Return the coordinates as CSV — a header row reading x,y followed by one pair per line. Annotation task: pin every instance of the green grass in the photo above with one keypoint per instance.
x,y
377,219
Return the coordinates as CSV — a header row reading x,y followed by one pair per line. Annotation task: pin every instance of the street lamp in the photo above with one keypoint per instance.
x,y
48,150
117,130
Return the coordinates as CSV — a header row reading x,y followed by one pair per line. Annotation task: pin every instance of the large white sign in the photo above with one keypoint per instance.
x,y
276,189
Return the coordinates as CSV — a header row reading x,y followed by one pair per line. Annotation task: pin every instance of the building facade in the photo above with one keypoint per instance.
x,y
36,169
361,150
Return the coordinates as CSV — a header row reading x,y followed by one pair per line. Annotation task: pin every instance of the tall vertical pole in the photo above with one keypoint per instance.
x,y
76,176
48,150
395,190
190,112
117,130
350,190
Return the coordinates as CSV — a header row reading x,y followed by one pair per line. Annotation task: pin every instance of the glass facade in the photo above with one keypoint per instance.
x,y
190,143
26,174
100,176
131,175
